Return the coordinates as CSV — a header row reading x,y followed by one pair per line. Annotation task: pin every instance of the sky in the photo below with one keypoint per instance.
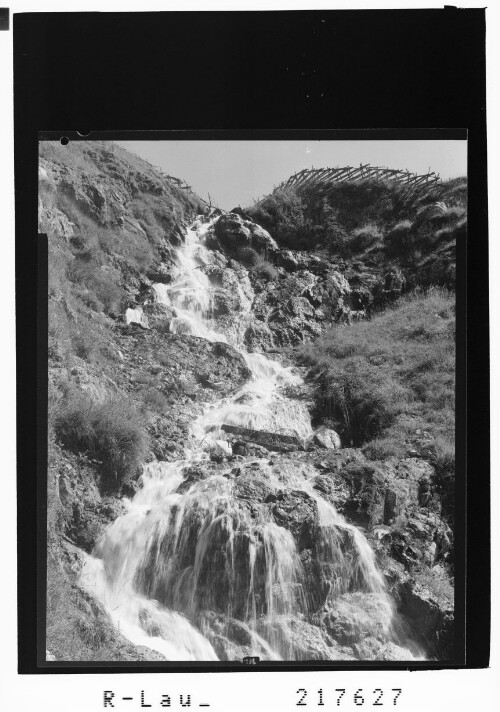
x,y
239,172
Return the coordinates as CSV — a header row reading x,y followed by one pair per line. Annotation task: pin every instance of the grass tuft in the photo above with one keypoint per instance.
x,y
111,431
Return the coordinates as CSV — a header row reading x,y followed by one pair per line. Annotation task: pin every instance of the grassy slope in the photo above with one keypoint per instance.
x,y
94,274
383,379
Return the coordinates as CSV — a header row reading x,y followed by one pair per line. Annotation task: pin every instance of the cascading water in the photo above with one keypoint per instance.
x,y
193,565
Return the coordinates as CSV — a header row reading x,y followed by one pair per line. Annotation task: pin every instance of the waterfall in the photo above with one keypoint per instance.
x,y
192,566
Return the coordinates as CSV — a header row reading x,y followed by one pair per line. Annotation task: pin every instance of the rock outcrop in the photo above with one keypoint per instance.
x,y
234,233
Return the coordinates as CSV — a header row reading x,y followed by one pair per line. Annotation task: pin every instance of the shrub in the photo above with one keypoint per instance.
x,y
248,256
266,270
283,213
256,263
365,237
112,432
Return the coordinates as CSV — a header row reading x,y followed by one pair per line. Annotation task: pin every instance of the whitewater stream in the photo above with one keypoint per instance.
x,y
188,568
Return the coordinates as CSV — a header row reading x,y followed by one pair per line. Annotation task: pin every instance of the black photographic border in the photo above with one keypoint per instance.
x,y
45,100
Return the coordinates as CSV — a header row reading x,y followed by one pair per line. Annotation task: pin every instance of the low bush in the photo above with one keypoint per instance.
x,y
365,237
248,256
256,263
112,432
266,270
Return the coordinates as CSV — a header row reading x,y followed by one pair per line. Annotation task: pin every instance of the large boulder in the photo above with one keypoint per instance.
x,y
431,617
299,307
297,511
355,616
332,488
326,438
261,240
329,291
288,260
235,233
253,486
367,486
231,288
232,232
273,441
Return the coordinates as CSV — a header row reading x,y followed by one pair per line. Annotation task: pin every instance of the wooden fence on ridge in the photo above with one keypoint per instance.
x,y
328,178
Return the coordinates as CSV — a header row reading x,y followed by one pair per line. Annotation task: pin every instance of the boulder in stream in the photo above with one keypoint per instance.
x,y
326,438
272,441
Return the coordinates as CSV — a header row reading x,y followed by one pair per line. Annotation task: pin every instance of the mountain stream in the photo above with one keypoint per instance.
x,y
191,570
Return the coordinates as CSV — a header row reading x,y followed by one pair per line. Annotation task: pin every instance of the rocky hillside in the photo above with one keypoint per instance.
x,y
324,282
384,238
119,395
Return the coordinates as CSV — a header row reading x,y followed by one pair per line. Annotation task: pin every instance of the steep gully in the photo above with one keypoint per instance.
x,y
192,571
